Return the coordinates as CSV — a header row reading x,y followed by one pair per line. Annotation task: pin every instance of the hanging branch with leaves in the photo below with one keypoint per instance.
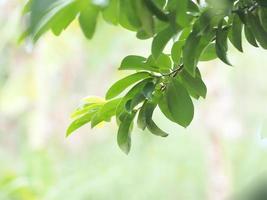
x,y
168,80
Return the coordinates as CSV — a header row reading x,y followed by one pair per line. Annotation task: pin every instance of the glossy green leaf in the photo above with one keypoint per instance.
x,y
254,24
154,129
124,133
235,33
179,103
163,105
133,92
263,17
194,84
250,37
118,87
141,119
190,51
221,44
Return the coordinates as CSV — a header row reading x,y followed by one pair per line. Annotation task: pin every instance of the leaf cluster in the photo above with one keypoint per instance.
x,y
167,80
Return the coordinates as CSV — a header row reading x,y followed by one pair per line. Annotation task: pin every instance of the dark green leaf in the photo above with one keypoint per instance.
x,y
124,133
194,84
141,120
137,89
221,44
179,103
263,17
154,129
254,24
235,34
250,37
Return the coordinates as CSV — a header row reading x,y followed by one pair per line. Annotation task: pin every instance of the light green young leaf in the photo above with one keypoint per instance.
x,y
79,122
107,111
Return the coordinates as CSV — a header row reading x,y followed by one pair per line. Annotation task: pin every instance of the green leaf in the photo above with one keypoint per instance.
x,y
176,51
88,20
263,17
150,124
139,98
164,63
156,8
112,12
148,90
221,44
193,48
124,133
85,109
154,129
179,103
181,13
134,91
194,84
107,111
81,121
160,41
45,14
250,37
254,24
141,119
235,33
189,52
145,119
209,53
118,87
145,17
128,15
133,62
163,105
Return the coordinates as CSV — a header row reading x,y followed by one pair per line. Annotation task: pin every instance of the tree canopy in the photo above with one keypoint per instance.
x,y
198,31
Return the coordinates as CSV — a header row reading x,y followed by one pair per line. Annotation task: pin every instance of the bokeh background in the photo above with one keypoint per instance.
x,y
220,154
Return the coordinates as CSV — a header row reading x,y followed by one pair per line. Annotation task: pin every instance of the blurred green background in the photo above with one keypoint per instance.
x,y
222,152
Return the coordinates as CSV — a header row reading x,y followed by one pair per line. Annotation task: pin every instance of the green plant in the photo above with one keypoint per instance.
x,y
199,31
